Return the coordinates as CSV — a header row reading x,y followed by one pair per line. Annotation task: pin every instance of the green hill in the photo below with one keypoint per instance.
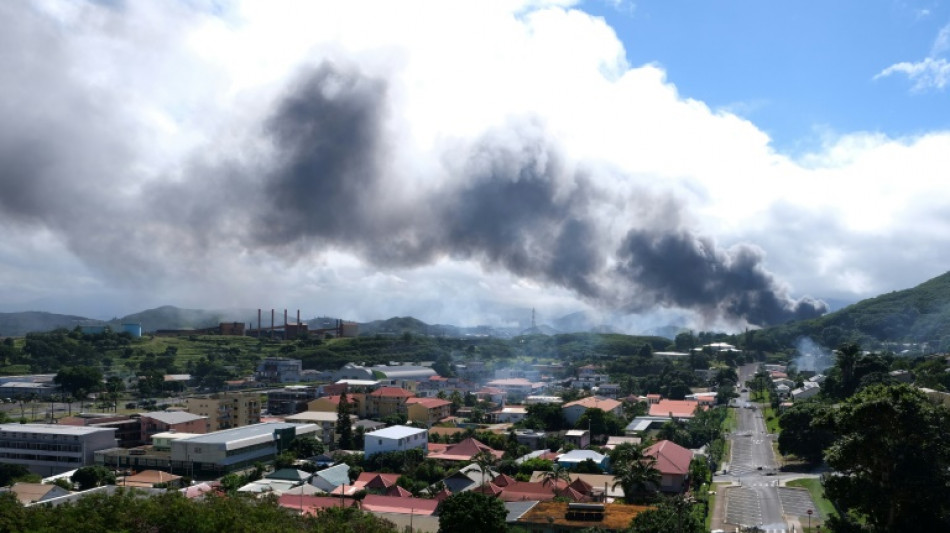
x,y
171,317
917,315
19,324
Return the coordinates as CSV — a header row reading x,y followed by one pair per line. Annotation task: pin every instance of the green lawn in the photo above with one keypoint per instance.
x,y
825,507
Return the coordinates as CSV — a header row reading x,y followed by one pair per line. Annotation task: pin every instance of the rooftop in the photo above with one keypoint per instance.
x,y
53,429
396,432
173,417
244,432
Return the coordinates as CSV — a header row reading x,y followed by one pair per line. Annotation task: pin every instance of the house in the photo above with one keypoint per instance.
x,y
575,457
329,479
809,389
325,420
575,516
678,409
534,439
672,460
574,410
516,388
428,411
510,414
29,493
508,489
578,438
465,451
151,479
395,439
467,478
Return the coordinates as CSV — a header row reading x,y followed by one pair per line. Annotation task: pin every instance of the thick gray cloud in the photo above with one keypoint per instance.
x,y
511,200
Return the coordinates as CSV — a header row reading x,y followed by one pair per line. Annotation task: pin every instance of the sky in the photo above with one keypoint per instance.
x,y
716,165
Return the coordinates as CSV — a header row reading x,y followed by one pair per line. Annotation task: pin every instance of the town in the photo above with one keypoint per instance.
x,y
312,423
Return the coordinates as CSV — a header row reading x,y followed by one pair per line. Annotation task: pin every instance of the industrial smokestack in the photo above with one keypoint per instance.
x,y
272,320
298,317
258,321
285,319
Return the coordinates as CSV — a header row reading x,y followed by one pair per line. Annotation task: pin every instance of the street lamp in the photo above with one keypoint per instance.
x,y
809,519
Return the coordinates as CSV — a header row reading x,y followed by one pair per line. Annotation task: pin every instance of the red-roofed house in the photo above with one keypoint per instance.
x,y
464,451
511,490
428,411
311,504
672,460
386,401
675,408
376,503
573,410
369,481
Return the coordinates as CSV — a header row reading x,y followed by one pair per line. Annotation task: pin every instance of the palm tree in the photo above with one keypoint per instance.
x,y
636,473
639,479
485,460
557,473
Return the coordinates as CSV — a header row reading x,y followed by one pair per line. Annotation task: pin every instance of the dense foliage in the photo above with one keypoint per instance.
x,y
172,513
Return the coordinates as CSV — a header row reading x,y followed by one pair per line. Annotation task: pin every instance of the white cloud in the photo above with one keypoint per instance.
x,y
932,72
929,73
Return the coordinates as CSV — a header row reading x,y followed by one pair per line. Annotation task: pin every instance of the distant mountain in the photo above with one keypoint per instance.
x,y
19,324
920,314
171,317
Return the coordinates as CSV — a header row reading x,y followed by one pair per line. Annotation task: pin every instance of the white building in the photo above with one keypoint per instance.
x,y
231,449
48,449
279,370
395,439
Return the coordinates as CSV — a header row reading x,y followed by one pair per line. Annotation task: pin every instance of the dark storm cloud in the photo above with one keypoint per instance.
x,y
681,269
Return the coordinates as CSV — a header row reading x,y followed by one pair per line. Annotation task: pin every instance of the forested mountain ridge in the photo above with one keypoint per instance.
x,y
917,315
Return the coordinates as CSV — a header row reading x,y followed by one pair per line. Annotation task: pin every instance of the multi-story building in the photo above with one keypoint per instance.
x,y
386,401
428,411
291,400
226,410
50,449
279,370
236,448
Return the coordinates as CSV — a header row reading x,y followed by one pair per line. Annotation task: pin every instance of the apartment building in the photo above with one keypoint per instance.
x,y
227,410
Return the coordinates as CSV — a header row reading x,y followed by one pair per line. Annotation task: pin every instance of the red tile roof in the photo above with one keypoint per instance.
x,y
398,491
394,504
604,404
311,504
671,458
375,480
678,408
464,451
428,403
391,392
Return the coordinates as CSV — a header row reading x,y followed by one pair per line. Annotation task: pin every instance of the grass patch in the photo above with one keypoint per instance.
x,y
824,505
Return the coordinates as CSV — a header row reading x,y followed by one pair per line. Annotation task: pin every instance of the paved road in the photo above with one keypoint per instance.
x,y
755,501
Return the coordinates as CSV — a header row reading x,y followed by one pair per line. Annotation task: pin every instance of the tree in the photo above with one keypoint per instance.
x,y
485,461
637,474
75,378
472,512
344,426
892,460
89,477
674,514
11,473
799,436
306,446
555,474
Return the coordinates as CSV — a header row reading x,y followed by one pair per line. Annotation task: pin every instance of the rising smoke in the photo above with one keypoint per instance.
x,y
511,200
811,356
508,209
